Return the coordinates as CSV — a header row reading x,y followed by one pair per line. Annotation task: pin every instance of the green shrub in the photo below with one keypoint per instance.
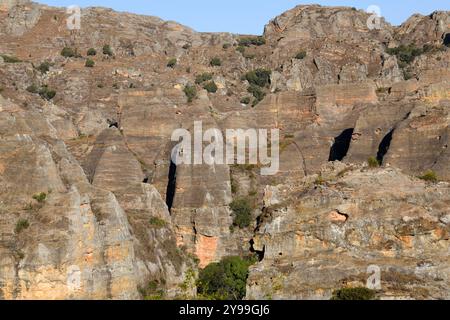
x,y
46,93
257,92
92,52
226,46
224,280
430,176
157,222
246,100
44,67
373,162
210,86
40,197
255,41
10,59
259,77
203,77
300,55
21,225
89,63
407,54
359,293
190,92
107,50
242,212
68,52
172,62
215,62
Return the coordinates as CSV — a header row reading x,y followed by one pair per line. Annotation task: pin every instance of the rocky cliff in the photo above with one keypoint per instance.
x,y
91,206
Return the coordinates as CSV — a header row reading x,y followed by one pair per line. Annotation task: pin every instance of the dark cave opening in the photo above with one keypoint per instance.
x,y
171,185
447,40
259,254
384,146
341,145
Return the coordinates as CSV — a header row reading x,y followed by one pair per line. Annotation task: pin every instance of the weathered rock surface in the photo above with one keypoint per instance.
x,y
118,214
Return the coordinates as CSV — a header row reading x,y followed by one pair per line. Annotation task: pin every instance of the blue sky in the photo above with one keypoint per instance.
x,y
247,16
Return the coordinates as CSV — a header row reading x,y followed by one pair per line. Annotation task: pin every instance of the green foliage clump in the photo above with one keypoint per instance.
x,y
44,67
107,50
21,225
68,52
430,176
210,86
91,52
172,62
152,291
257,92
249,41
373,162
259,77
215,62
300,55
157,222
245,100
40,197
89,63
10,59
203,77
407,54
359,293
46,93
226,46
224,280
190,92
242,212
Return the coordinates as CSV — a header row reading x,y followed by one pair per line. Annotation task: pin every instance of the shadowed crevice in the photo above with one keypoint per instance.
x,y
341,145
384,146
171,185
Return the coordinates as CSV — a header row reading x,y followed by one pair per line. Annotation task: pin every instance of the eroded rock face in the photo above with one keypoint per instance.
x,y
357,218
118,214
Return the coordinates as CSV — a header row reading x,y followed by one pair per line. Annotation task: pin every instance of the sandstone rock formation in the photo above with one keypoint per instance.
x,y
92,207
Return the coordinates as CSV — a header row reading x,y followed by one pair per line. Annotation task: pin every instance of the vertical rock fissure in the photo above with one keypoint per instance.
x,y
171,185
341,145
384,146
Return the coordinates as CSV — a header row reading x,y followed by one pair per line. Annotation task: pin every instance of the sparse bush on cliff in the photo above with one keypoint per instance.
x,y
215,62
211,87
245,100
33,88
373,162
249,41
259,77
44,67
172,63
430,176
359,293
21,225
46,93
107,50
257,92
10,59
190,92
224,280
300,55
92,52
68,52
40,197
89,63
157,222
203,77
242,212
